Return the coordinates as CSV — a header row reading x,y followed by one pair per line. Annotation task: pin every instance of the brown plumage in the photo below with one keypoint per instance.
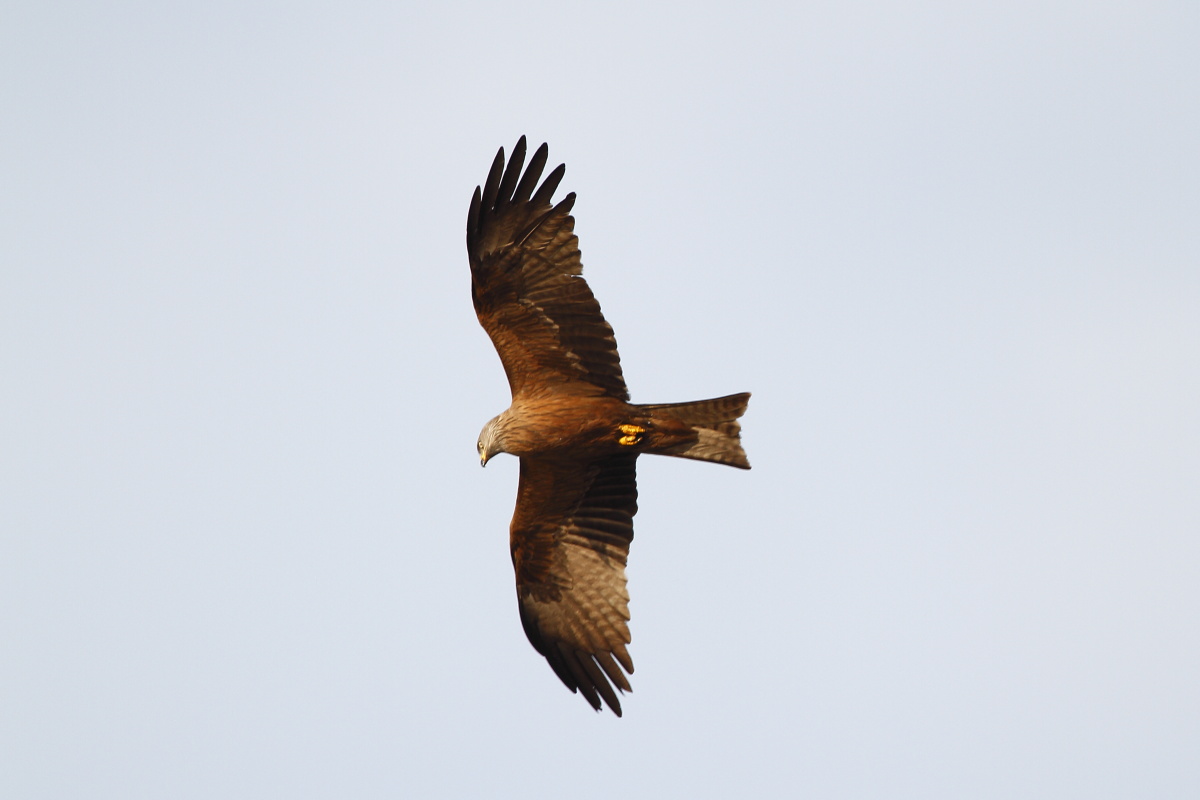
x,y
572,426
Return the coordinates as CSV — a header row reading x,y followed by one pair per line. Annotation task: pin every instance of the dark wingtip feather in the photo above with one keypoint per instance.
x,y
492,187
605,660
548,187
532,174
506,185
565,205
579,676
473,218
511,173
585,674
599,683
622,655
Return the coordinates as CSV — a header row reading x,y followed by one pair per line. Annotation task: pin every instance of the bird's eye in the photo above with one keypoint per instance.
x,y
479,446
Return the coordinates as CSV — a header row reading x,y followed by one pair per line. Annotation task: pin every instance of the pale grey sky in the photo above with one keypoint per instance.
x,y
246,549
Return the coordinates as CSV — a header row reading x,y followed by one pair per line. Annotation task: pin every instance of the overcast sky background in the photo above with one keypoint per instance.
x,y
953,249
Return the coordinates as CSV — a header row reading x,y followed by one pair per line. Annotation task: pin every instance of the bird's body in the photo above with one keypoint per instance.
x,y
541,427
572,426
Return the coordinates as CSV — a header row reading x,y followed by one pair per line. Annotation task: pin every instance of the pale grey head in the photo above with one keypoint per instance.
x,y
491,440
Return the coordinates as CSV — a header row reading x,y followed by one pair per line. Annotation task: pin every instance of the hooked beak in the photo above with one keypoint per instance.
x,y
483,459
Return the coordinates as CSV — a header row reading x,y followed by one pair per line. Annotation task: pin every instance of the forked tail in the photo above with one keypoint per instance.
x,y
707,430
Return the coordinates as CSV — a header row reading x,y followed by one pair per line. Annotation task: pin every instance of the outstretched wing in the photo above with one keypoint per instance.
x,y
570,538
525,280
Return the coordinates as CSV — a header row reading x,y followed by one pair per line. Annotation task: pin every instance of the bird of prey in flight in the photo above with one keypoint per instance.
x,y
571,424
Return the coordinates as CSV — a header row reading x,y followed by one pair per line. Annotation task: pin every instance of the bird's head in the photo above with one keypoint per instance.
x,y
490,441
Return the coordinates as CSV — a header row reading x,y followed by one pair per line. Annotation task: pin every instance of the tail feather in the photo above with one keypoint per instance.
x,y
707,430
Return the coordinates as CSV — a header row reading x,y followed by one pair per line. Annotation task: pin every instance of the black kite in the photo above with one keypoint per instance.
x,y
572,426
